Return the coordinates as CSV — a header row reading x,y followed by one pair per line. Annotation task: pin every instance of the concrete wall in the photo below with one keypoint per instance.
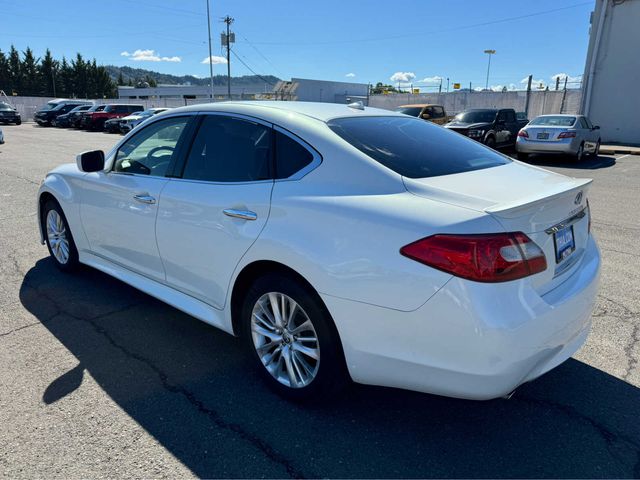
x,y
540,102
328,91
610,86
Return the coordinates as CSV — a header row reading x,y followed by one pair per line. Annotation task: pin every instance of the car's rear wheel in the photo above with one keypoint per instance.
x,y
58,237
18,122
292,339
596,151
579,156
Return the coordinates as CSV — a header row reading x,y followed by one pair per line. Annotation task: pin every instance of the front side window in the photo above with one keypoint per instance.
x,y
229,149
583,123
413,148
151,151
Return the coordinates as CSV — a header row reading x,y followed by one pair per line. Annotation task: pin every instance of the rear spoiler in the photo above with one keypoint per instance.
x,y
512,209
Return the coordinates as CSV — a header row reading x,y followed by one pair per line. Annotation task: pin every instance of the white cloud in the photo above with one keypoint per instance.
x,y
562,76
432,81
535,84
402,77
214,59
148,56
350,75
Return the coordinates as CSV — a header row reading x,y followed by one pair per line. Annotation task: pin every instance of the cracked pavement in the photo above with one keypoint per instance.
x,y
100,380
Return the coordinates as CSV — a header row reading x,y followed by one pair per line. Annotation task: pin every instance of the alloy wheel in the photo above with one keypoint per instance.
x,y
57,237
285,340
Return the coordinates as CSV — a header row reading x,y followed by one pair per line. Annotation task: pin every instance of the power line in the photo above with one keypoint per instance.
x,y
250,69
262,55
433,32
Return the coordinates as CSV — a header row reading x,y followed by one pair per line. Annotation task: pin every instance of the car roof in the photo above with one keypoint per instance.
x,y
559,115
319,111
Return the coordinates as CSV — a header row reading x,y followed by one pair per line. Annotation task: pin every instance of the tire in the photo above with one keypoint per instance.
x,y
579,156
596,152
300,376
523,156
490,142
18,122
55,226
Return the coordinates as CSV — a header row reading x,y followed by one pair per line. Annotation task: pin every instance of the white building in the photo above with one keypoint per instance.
x,y
610,82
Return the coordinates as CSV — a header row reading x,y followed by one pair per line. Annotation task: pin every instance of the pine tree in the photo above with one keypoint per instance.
x,y
15,70
5,76
49,74
30,74
65,79
79,75
120,78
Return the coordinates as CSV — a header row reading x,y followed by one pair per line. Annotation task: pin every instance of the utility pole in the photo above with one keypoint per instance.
x,y
440,87
53,80
488,52
447,84
229,39
210,54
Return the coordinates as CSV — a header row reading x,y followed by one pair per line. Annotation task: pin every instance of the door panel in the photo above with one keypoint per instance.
x,y
199,244
120,227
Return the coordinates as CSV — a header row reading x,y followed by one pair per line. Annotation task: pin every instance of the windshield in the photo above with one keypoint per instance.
x,y
48,106
476,116
80,108
413,148
5,106
413,111
96,108
554,121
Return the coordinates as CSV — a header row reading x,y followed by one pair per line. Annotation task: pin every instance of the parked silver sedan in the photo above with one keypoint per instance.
x,y
564,134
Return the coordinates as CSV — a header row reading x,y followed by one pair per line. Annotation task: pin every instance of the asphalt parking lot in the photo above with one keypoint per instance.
x,y
100,380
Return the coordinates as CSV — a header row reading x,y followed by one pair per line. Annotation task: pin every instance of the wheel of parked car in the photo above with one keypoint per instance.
x,y
596,152
580,153
58,237
490,142
18,122
292,338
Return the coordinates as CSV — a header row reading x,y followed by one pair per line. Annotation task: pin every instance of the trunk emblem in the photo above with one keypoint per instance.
x,y
578,198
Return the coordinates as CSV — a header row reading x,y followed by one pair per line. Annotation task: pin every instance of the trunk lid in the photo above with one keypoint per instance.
x,y
545,133
522,198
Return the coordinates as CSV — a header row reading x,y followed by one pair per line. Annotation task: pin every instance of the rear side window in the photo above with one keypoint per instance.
x,y
438,112
413,148
291,157
229,149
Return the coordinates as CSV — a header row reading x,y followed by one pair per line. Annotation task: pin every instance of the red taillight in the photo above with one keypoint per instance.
x,y
523,133
483,258
566,134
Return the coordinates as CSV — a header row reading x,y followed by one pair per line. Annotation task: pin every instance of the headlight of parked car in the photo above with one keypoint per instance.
x,y
476,133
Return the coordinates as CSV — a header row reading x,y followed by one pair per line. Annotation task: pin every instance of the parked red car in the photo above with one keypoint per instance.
x,y
95,120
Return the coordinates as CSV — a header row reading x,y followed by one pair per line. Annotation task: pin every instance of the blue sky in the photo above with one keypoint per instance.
x,y
363,41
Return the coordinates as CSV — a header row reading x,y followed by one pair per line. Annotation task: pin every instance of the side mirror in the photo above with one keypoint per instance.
x,y
92,161
596,127
426,116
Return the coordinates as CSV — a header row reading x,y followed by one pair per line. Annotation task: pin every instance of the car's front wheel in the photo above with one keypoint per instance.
x,y
292,339
58,236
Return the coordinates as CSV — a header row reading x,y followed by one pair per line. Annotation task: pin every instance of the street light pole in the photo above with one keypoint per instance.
x,y
488,52
210,60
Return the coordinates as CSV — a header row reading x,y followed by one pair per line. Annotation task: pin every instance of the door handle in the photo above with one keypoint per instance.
x,y
144,198
243,214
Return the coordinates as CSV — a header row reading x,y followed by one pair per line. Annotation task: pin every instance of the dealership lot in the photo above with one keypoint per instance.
x,y
98,379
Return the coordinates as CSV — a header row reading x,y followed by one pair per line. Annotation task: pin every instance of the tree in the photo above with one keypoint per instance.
x,y
31,82
48,69
15,70
120,78
5,76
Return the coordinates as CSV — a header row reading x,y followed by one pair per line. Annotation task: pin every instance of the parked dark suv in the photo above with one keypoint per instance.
x,y
49,111
8,114
64,120
495,127
76,118
95,120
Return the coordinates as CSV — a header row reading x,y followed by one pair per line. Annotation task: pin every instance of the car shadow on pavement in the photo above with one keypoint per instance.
x,y
191,387
590,163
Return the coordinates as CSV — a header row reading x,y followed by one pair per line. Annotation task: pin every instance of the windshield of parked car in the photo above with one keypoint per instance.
x,y
97,108
413,111
476,116
48,106
5,106
554,121
414,148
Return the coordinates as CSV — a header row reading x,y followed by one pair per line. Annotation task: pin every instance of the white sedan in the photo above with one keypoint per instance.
x,y
340,242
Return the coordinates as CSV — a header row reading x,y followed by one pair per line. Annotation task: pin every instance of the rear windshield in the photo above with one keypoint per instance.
x,y
414,148
554,121
413,111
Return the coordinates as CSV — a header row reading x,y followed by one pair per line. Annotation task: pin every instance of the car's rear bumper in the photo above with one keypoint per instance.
x,y
470,340
568,146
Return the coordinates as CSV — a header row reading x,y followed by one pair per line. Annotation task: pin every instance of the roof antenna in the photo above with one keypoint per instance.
x,y
357,105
